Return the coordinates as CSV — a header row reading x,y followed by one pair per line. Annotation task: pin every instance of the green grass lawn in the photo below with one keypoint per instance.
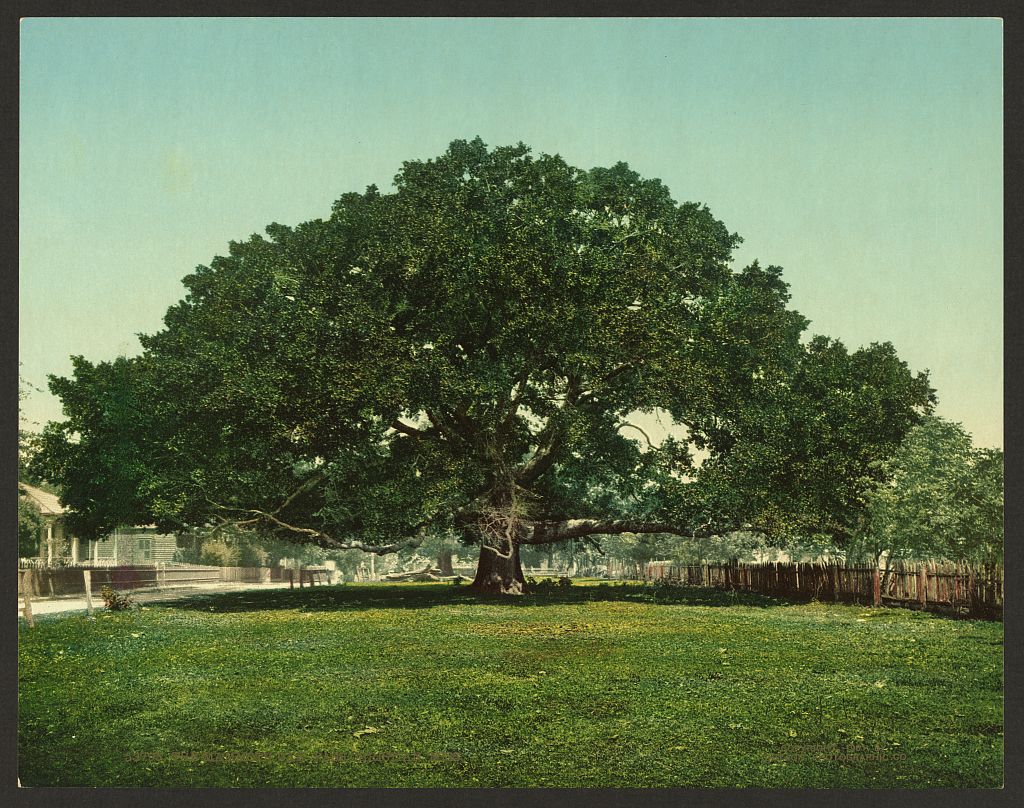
x,y
426,685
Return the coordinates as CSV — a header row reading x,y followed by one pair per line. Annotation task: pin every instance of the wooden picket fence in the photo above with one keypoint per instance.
x,y
69,580
248,575
975,591
978,589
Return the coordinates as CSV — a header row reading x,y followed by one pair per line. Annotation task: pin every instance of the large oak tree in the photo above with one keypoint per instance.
x,y
468,352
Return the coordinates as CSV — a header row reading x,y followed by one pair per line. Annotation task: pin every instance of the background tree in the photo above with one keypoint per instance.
x,y
28,438
103,457
30,520
30,526
439,550
465,353
939,498
981,499
637,550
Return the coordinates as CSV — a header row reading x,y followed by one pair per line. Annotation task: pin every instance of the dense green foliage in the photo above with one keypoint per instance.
x,y
941,498
425,685
464,353
639,549
30,525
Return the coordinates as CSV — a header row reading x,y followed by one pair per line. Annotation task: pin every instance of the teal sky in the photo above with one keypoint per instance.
x,y
863,156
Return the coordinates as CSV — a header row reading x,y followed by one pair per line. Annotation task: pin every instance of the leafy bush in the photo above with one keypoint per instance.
x,y
665,587
219,553
547,584
252,555
116,601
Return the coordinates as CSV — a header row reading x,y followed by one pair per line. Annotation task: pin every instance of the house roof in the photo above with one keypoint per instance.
x,y
48,504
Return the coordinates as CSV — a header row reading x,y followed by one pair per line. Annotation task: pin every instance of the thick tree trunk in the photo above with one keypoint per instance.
x,y
444,562
499,573
500,531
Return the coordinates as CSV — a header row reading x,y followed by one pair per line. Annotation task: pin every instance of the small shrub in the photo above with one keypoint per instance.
x,y
546,585
220,553
541,586
664,587
116,601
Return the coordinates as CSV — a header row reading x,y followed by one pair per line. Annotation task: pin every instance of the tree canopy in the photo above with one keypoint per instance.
x,y
940,498
466,352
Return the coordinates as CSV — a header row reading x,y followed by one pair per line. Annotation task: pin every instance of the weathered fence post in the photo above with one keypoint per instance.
x,y
87,578
876,587
26,590
922,586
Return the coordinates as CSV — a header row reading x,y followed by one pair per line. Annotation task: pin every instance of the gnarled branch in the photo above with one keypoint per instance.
x,y
253,516
647,437
407,429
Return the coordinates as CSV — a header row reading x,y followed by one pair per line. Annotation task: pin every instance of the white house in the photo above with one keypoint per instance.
x,y
126,545
54,540
133,545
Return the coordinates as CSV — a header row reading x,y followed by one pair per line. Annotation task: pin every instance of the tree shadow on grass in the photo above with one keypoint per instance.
x,y
346,597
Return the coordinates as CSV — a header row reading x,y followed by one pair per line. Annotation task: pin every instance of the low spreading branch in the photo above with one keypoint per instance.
x,y
253,517
413,432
